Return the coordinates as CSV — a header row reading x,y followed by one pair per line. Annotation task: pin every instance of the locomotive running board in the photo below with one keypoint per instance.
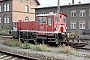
x,y
39,31
27,39
51,38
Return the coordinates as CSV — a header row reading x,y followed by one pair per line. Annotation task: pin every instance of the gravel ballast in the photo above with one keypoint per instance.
x,y
39,55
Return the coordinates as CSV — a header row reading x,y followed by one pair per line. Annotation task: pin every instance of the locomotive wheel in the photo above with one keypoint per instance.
x,y
22,41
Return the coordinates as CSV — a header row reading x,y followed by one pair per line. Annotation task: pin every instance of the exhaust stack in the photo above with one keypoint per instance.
x,y
72,1
58,9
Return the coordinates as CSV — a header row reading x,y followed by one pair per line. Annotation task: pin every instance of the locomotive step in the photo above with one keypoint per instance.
x,y
51,41
51,38
27,39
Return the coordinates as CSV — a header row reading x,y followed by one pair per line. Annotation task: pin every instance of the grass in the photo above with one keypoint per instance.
x,y
4,31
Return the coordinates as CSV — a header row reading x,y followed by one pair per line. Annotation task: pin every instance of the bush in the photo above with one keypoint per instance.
x,y
35,47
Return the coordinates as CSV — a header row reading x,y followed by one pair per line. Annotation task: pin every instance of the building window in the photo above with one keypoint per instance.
x,y
26,0
73,13
6,7
82,13
0,9
89,12
0,20
73,24
6,19
32,0
81,24
26,8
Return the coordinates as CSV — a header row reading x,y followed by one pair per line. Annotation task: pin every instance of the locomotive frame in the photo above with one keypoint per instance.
x,y
47,28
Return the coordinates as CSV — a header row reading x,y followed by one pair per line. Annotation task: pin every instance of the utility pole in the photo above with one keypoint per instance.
x,y
58,8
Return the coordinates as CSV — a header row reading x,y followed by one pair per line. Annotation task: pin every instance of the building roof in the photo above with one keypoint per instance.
x,y
37,2
80,4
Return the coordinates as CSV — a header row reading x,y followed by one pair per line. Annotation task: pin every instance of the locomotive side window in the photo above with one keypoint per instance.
x,y
40,20
57,19
49,21
44,20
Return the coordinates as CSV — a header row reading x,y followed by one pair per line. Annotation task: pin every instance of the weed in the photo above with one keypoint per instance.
x,y
67,49
88,56
41,47
12,42
17,43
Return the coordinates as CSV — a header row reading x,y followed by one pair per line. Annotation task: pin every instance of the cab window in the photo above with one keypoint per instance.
x,y
57,19
40,20
64,19
44,20
49,21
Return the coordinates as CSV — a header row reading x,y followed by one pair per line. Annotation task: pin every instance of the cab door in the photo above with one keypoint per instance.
x,y
50,24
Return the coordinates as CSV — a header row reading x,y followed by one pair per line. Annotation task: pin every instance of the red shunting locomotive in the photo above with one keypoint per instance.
x,y
47,28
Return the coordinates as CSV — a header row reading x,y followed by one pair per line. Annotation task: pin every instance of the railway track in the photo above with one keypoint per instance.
x,y
82,48
9,56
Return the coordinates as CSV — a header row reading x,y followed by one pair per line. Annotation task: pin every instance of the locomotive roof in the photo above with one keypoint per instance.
x,y
45,14
50,14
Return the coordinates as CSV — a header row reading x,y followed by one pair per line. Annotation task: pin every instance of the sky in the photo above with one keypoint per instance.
x,y
46,3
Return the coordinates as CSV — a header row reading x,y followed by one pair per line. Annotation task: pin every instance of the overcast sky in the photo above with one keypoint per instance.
x,y
45,3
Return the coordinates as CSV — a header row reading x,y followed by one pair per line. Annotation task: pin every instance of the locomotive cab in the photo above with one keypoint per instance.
x,y
45,23
51,26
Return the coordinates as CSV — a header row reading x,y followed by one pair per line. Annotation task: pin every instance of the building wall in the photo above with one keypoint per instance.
x,y
3,13
19,10
78,18
21,16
